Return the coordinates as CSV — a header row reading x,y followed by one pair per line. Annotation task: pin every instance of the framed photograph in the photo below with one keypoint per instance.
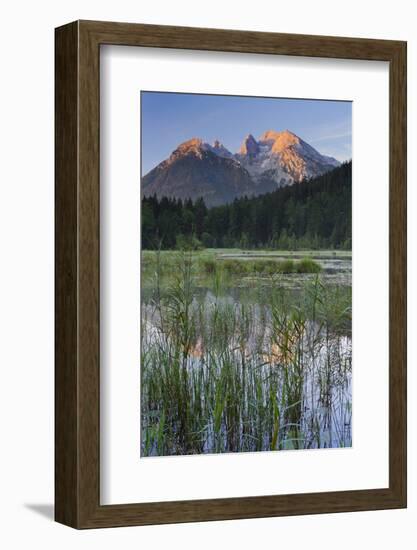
x,y
230,274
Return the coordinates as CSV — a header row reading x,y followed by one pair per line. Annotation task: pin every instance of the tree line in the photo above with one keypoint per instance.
x,y
313,214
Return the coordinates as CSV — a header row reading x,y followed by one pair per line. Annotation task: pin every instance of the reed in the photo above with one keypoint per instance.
x,y
244,375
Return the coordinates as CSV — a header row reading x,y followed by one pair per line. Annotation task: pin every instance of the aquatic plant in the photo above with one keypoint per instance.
x,y
221,375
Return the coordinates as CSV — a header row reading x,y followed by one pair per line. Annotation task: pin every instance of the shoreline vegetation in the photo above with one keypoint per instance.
x,y
234,359
243,268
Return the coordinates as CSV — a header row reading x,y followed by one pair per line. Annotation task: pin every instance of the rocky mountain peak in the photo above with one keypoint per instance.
x,y
198,169
218,148
284,140
193,145
269,135
249,146
279,140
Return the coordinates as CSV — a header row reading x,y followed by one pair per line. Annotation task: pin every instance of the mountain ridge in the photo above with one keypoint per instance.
x,y
197,169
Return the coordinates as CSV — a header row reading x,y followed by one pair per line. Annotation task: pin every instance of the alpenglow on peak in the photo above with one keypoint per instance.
x,y
197,169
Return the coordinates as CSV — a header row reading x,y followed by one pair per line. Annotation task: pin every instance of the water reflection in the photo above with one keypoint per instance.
x,y
241,368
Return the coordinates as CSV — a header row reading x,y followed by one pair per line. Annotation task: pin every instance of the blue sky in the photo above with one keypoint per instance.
x,y
168,119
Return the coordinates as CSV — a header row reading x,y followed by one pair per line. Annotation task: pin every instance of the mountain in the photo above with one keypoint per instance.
x,y
282,157
197,169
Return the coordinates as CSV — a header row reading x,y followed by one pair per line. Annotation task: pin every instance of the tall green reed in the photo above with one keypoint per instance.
x,y
219,375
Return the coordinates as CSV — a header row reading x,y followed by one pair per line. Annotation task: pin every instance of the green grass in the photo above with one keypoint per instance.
x,y
250,374
307,265
208,263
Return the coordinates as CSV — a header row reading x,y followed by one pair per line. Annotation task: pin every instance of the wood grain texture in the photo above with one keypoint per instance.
x,y
398,274
66,237
78,284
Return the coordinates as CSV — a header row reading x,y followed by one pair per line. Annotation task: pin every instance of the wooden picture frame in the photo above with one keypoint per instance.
x,y
77,374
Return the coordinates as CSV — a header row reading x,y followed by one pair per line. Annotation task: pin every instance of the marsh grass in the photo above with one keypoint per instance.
x,y
248,375
262,266
307,265
207,264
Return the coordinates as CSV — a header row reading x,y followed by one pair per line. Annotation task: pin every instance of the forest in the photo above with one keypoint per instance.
x,y
314,214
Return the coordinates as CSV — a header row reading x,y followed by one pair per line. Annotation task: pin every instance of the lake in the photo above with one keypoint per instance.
x,y
248,362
